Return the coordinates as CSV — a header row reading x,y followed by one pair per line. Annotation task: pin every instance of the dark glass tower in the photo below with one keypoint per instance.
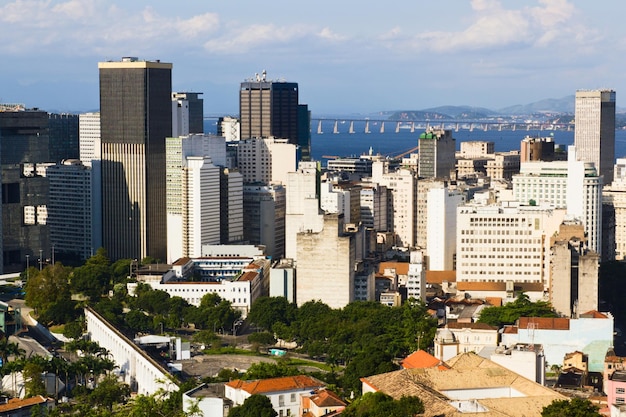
x,y
269,108
136,117
25,233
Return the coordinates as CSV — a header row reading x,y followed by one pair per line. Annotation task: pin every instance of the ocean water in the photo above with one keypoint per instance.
x,y
390,143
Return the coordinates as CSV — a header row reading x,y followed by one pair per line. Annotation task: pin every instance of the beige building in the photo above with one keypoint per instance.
x,y
614,197
326,264
503,165
505,243
574,272
266,160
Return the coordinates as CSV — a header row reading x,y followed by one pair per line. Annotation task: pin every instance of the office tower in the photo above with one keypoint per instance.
x,y
136,117
229,128
614,202
304,133
231,206
506,246
264,217
441,227
187,113
193,196
402,213
89,138
423,187
63,137
73,218
594,135
303,205
572,184
24,144
266,160
436,154
537,149
268,108
374,206
574,272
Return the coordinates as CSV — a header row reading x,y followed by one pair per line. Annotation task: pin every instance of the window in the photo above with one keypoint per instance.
x,y
619,390
281,400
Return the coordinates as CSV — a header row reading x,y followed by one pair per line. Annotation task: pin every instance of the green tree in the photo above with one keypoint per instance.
x,y
576,407
33,381
48,288
262,339
378,404
109,392
9,349
256,405
264,370
267,311
93,278
138,321
74,329
510,312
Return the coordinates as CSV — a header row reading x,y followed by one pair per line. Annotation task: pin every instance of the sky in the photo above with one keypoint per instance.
x,y
348,57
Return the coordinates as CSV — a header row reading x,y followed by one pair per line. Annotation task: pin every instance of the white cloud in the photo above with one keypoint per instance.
x,y
257,36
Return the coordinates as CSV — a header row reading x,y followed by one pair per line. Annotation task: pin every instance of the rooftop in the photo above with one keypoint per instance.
x,y
288,383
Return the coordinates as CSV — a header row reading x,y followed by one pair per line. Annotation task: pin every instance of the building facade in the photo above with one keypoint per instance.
x,y
594,136
135,117
437,154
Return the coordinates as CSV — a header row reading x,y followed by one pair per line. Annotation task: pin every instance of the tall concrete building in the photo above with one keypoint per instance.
x,y
441,227
594,135
187,113
266,160
74,211
614,202
89,144
136,117
264,217
64,138
231,206
25,193
573,272
437,154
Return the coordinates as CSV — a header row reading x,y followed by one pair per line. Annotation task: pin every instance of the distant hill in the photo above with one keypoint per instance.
x,y
549,105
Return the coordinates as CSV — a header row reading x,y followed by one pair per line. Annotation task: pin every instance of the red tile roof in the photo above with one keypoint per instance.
x,y
287,383
248,276
475,326
324,398
594,314
548,323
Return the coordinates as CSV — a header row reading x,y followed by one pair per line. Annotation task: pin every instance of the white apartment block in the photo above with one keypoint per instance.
x,y
302,207
476,149
266,160
335,200
403,186
615,195
441,227
89,138
192,196
570,184
229,128
503,243
231,206
416,279
374,207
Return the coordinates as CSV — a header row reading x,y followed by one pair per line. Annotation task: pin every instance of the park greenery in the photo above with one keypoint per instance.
x,y
509,313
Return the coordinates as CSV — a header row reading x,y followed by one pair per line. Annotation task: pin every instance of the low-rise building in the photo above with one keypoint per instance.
x,y
285,393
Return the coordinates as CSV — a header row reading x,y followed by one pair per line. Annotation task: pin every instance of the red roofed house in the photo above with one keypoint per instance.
x,y
284,393
17,407
321,403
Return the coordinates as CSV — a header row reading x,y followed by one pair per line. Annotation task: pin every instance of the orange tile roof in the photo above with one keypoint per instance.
x,y
548,323
181,261
248,276
494,301
510,329
438,277
475,326
402,268
16,403
324,398
594,314
420,359
287,383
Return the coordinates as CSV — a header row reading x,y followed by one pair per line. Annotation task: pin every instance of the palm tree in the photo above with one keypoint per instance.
x,y
8,349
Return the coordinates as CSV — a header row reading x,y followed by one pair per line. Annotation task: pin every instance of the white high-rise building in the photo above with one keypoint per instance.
x,y
594,135
266,160
231,214
416,281
302,212
264,217
193,197
572,184
89,138
74,210
505,246
374,207
403,186
441,226
615,195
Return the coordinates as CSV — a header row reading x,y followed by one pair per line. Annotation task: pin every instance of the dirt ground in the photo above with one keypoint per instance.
x,y
209,365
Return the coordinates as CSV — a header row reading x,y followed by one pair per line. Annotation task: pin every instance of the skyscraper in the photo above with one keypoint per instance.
x,y
136,117
594,136
269,108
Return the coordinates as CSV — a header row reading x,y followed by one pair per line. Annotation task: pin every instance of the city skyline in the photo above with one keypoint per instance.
x,y
347,58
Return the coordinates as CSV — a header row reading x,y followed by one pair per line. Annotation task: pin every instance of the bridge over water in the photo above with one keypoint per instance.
x,y
327,125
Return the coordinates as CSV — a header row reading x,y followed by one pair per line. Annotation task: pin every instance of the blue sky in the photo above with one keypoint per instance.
x,y
347,56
